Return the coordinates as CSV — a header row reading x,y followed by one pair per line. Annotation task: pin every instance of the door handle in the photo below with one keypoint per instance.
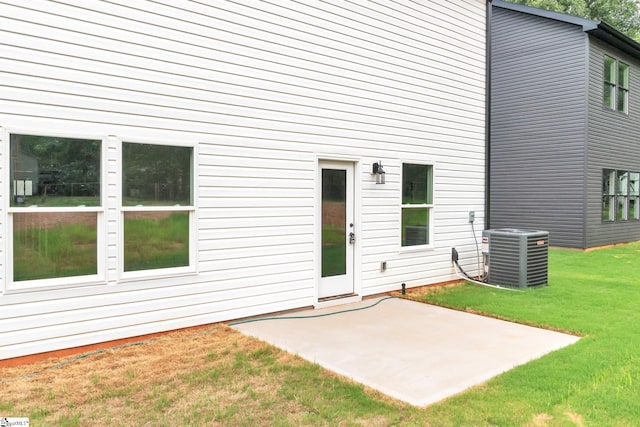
x,y
352,238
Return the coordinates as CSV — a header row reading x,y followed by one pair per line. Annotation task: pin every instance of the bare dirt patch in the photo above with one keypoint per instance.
x,y
333,213
45,220
575,418
540,420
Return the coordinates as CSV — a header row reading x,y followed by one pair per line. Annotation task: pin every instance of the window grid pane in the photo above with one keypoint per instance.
x,y
49,245
621,208
633,208
634,183
622,187
154,240
608,182
415,226
416,184
609,95
54,172
608,208
608,194
623,75
156,175
622,100
609,69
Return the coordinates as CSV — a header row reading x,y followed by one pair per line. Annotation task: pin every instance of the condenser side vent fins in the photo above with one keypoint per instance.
x,y
517,258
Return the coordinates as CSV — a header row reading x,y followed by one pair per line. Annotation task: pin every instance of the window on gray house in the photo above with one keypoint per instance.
x,y
616,84
620,195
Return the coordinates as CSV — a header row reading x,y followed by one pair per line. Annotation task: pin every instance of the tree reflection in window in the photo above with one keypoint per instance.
x,y
51,171
156,175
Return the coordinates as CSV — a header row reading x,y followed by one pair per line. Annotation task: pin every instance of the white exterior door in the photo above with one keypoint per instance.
x,y
337,229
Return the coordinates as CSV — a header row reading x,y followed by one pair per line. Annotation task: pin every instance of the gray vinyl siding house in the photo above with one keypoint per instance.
x,y
551,135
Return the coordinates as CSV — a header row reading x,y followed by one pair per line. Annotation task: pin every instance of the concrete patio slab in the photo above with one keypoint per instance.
x,y
414,352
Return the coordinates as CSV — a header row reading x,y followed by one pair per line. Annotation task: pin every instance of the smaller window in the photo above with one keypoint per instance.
x,y
616,84
417,203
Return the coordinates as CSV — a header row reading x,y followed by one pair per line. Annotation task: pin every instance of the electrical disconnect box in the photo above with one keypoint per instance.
x,y
515,257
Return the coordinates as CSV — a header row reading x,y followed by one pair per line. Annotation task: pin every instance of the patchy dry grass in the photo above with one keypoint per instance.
x,y
182,377
213,376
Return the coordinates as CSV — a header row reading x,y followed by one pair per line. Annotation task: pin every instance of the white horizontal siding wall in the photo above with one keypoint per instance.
x,y
264,90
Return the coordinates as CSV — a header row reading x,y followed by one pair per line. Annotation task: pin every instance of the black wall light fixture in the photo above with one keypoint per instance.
x,y
378,172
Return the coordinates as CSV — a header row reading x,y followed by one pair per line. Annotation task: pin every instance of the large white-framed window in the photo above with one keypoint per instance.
x,y
616,84
55,211
158,210
417,204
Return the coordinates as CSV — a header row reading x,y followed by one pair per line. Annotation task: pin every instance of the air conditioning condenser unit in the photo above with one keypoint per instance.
x,y
515,257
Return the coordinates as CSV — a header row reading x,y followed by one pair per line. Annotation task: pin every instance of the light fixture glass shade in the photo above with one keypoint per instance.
x,y
379,172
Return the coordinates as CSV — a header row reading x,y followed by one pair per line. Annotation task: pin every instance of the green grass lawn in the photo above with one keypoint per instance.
x,y
594,382
221,377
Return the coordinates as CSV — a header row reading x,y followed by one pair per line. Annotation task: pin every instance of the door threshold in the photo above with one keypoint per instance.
x,y
337,297
337,300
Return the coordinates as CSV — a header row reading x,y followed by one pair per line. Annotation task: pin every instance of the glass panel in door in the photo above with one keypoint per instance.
x,y
334,221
